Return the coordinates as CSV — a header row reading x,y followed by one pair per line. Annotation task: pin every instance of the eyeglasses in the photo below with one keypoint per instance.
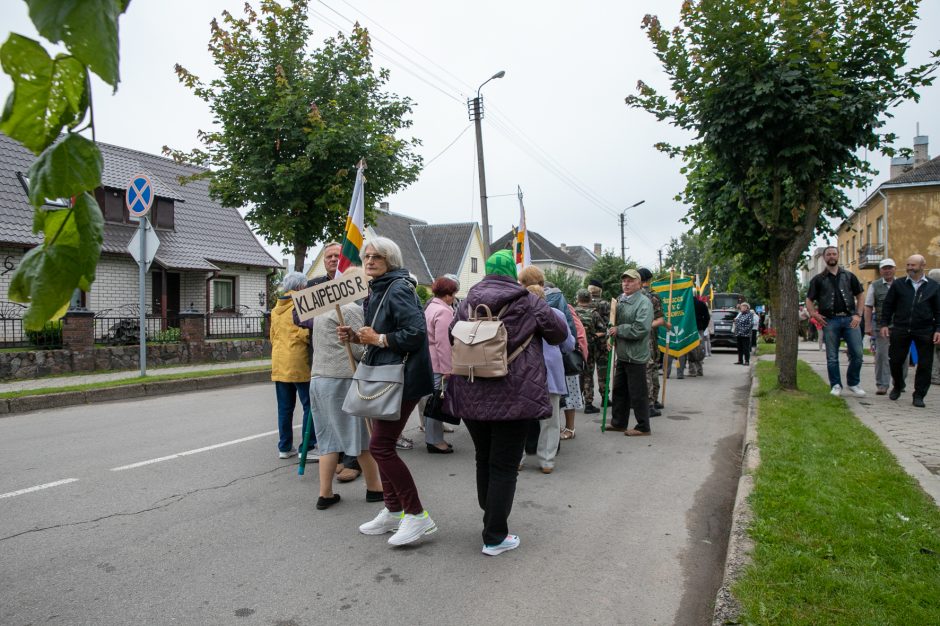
x,y
373,257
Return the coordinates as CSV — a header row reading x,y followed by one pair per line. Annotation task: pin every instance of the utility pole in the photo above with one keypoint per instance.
x,y
475,108
660,259
623,247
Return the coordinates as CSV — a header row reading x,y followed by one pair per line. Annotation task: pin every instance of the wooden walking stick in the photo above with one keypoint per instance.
x,y
667,316
611,357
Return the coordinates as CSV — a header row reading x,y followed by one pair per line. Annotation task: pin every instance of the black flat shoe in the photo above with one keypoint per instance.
x,y
374,496
432,449
325,503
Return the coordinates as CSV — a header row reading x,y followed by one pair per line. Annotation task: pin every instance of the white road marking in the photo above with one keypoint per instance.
x,y
196,451
38,488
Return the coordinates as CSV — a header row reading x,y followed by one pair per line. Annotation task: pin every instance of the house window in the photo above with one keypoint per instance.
x,y
223,294
111,202
868,235
880,230
162,214
473,264
854,248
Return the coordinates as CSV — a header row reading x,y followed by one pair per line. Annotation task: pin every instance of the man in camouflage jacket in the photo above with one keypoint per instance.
x,y
595,327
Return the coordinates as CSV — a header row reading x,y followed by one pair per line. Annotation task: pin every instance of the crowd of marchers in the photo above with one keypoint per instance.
x,y
554,353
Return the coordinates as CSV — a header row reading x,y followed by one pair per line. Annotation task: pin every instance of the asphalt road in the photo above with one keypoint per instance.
x,y
625,531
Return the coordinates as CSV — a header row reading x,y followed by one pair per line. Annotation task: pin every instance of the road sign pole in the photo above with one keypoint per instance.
x,y
143,296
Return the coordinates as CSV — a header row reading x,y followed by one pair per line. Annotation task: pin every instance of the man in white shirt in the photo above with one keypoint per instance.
x,y
874,300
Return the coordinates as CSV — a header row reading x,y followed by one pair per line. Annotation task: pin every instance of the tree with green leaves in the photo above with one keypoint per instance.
x,y
293,125
695,254
568,282
607,269
781,98
51,94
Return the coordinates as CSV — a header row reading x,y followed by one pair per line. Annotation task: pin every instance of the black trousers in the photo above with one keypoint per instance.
x,y
744,349
630,392
498,452
897,353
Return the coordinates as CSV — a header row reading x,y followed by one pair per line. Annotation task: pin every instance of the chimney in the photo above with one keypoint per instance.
x,y
597,249
285,263
899,165
563,248
920,150
383,207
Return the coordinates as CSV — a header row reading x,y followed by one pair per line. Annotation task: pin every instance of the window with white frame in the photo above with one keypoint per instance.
x,y
223,294
473,265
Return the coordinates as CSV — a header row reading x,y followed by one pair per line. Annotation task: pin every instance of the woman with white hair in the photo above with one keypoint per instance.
x,y
742,333
290,367
395,332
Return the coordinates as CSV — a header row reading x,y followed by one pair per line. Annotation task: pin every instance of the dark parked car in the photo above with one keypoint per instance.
x,y
723,319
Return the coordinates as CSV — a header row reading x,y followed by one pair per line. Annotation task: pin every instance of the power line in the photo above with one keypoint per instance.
x,y
449,145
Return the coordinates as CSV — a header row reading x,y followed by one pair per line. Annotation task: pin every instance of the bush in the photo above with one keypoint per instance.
x,y
769,335
48,338
170,335
424,293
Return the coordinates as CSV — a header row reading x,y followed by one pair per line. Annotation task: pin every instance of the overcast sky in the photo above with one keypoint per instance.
x,y
556,125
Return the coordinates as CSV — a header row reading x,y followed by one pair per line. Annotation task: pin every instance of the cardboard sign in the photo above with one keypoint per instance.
x,y
325,297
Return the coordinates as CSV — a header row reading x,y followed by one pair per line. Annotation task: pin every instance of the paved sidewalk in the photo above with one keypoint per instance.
x,y
912,434
68,381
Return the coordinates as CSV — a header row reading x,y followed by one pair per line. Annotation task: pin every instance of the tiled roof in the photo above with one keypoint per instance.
x,y
398,228
205,232
582,256
443,245
541,249
928,172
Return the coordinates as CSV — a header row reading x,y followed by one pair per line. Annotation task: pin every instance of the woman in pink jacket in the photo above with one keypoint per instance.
x,y
438,315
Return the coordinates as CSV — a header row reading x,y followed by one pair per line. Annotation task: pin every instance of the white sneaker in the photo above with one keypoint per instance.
x,y
286,455
511,542
836,390
412,528
858,391
313,454
384,522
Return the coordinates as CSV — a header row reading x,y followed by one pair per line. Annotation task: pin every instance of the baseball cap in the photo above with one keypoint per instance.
x,y
631,273
887,263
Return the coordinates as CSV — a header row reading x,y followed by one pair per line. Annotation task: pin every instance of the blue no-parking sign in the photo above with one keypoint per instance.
x,y
139,196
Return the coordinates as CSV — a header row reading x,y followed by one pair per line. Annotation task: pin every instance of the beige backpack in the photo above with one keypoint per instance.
x,y
480,346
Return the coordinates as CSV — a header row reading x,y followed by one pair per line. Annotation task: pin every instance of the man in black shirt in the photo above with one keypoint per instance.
x,y
836,300
911,314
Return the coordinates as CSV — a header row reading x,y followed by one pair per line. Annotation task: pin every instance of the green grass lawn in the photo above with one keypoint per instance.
x,y
132,381
843,535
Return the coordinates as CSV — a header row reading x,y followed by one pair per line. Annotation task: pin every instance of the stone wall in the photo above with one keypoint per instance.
x,y
38,363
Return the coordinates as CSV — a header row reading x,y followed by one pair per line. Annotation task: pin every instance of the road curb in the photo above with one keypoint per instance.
x,y
740,545
15,406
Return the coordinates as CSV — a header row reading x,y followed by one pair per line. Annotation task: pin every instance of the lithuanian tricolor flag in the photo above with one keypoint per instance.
x,y
355,226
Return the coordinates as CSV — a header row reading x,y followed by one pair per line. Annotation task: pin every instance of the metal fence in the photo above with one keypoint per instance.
x,y
235,327
13,335
123,331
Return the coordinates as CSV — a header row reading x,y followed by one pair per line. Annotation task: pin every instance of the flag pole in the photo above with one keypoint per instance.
x,y
609,387
667,316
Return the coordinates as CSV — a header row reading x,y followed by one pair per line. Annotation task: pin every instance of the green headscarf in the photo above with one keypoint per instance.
x,y
501,263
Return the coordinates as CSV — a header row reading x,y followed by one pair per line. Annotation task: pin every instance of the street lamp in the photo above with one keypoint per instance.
x,y
475,108
623,249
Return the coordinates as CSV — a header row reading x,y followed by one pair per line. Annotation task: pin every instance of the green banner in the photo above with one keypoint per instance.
x,y
679,310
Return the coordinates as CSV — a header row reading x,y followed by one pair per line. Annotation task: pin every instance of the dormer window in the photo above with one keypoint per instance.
x,y
58,203
112,203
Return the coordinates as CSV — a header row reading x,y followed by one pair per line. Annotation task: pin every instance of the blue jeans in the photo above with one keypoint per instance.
x,y
836,329
286,402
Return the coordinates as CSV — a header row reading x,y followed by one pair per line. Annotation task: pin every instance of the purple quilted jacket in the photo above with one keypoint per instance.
x,y
523,393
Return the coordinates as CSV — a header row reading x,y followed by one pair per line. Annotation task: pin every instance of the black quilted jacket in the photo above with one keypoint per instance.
x,y
523,393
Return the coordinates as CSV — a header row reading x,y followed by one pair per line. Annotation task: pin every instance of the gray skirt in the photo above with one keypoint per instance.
x,y
336,430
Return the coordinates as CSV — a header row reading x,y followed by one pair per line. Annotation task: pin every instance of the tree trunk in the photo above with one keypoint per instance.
x,y
300,253
788,313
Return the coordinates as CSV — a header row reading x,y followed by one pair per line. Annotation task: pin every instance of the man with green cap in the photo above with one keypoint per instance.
x,y
631,333
659,319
